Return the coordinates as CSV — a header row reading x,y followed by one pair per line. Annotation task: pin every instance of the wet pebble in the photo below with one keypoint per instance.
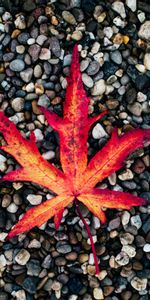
x,y
17,65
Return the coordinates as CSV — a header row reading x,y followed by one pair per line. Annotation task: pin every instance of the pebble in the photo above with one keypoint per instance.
x,y
38,134
22,257
12,208
44,101
116,57
135,108
98,293
87,80
77,35
99,88
34,199
20,22
136,221
19,295
18,104
48,155
68,17
144,32
45,54
34,244
118,7
122,258
126,175
146,248
26,75
129,250
126,238
33,267
115,223
98,131
17,65
132,4
34,51
93,68
139,284
147,61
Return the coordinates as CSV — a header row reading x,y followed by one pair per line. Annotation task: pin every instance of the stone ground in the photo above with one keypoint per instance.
x,y
36,42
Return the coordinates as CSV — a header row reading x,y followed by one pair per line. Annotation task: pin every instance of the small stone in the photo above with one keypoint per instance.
x,y
141,68
99,88
48,155
136,221
147,61
122,259
26,75
77,35
68,17
115,223
138,167
98,131
144,32
37,71
129,250
12,208
146,248
20,22
116,57
2,158
3,261
34,199
45,54
98,293
93,68
17,65
135,109
34,51
47,262
55,46
132,4
44,101
126,238
141,97
118,7
33,267
20,49
139,284
126,175
17,104
84,64
19,295
87,80
34,244
38,134
22,257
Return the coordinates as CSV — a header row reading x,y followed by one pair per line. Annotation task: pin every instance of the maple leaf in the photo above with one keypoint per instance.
x,y
78,178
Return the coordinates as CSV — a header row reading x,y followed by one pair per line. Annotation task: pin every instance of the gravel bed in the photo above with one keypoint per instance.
x,y
36,42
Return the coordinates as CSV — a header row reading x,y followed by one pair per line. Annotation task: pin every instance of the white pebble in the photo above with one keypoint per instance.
x,y
99,88
136,221
12,208
34,199
146,248
98,131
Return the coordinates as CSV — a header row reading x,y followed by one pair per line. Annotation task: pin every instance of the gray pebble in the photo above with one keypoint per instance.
x,y
17,65
116,57
26,75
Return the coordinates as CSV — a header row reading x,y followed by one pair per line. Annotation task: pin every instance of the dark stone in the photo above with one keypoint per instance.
x,y
8,56
28,105
131,95
146,196
3,296
2,219
146,226
142,82
133,73
6,40
88,6
55,46
109,69
23,37
29,284
75,285
33,267
91,26
47,68
78,14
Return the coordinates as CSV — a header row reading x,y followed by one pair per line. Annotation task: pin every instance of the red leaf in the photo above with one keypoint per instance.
x,y
77,178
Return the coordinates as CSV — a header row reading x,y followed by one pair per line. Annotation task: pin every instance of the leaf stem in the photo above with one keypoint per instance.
x,y
90,237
